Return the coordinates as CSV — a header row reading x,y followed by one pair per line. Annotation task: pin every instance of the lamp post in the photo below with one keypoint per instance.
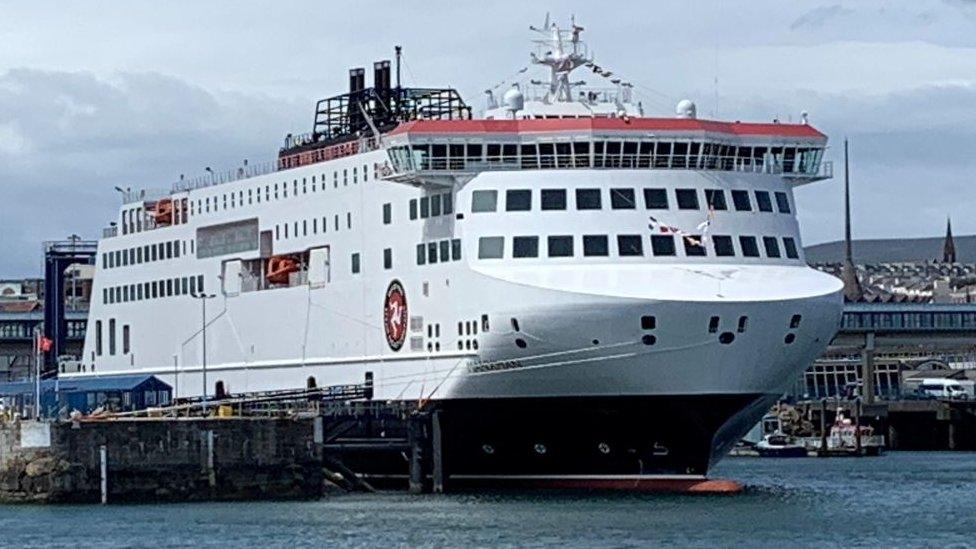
x,y
203,297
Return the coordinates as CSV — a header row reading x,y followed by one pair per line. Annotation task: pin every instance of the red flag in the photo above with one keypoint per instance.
x,y
44,344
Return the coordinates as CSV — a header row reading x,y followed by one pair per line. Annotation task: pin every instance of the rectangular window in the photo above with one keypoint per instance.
x,y
749,246
740,199
782,202
713,324
491,247
111,336
435,205
622,199
715,198
763,202
790,246
553,199
125,339
421,254
98,337
193,286
424,207
662,244
445,247
387,258
771,245
432,253
595,245
518,200
484,201
656,199
525,246
694,246
560,246
355,263
413,208
456,249
588,199
630,245
687,199
447,201
723,246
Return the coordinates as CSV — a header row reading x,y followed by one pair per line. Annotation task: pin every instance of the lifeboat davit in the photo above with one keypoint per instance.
x,y
279,267
163,212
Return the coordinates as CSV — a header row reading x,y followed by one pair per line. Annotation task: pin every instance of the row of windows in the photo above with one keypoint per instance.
x,y
636,153
148,253
301,228
126,348
153,290
25,329
443,251
909,320
276,191
429,206
520,200
632,245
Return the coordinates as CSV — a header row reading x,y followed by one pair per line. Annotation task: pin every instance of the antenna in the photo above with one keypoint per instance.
x,y
398,50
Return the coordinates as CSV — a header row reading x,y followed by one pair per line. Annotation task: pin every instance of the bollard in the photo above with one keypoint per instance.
x,y
103,454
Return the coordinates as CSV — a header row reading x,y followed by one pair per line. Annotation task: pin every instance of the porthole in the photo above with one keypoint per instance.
x,y
520,343
790,338
648,340
726,338
488,449
540,449
596,341
604,448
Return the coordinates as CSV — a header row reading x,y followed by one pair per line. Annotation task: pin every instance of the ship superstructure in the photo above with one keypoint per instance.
x,y
587,292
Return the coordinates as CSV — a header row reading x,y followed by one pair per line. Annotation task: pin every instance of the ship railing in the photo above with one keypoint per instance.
x,y
110,232
790,169
244,171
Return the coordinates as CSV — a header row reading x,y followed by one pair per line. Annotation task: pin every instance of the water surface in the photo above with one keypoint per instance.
x,y
901,499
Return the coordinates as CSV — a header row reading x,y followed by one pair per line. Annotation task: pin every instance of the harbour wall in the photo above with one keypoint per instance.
x,y
160,460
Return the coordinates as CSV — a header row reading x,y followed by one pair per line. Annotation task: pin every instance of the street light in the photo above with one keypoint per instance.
x,y
203,301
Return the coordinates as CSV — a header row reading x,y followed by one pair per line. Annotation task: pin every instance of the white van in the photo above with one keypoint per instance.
x,y
942,388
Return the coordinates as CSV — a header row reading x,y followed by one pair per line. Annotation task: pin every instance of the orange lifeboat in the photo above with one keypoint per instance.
x,y
162,212
279,267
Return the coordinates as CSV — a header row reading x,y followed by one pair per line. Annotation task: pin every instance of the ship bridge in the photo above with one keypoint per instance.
x,y
441,151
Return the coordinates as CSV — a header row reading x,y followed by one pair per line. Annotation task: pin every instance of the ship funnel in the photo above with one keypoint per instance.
x,y
357,79
381,75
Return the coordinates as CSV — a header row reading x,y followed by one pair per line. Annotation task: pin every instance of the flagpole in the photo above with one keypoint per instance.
x,y
37,374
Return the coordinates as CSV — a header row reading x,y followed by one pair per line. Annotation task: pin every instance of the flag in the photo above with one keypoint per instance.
x,y
44,344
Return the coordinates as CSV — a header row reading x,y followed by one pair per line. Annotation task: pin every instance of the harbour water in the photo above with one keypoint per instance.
x,y
900,499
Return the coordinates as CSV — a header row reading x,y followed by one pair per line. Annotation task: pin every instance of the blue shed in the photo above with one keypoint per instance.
x,y
85,394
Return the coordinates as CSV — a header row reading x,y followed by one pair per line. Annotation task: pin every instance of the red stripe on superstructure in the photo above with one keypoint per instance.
x,y
612,124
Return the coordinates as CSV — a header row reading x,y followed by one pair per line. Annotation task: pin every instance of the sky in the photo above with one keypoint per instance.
x,y
99,94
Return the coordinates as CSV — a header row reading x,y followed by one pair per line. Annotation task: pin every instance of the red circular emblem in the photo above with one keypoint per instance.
x,y
395,315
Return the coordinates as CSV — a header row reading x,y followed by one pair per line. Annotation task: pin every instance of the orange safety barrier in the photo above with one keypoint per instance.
x,y
163,212
279,268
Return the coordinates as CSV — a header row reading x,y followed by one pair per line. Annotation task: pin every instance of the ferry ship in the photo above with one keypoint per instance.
x,y
587,293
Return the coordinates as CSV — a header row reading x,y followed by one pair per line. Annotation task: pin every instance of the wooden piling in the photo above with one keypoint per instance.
x,y
437,447
823,425
103,455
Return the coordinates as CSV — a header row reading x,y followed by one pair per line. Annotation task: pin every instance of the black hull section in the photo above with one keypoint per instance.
x,y
593,436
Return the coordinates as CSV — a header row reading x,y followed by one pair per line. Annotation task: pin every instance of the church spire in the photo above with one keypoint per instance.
x,y
848,273
949,247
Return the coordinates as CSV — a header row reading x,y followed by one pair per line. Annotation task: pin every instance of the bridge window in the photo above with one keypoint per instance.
x,y
687,199
445,249
715,198
560,246
763,202
588,199
435,205
553,199
413,210
782,202
740,199
484,201
491,247
622,199
525,246
655,199
447,199
518,200
749,246
595,245
421,254
771,245
662,244
630,245
424,207
790,245
431,252
456,249
723,246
